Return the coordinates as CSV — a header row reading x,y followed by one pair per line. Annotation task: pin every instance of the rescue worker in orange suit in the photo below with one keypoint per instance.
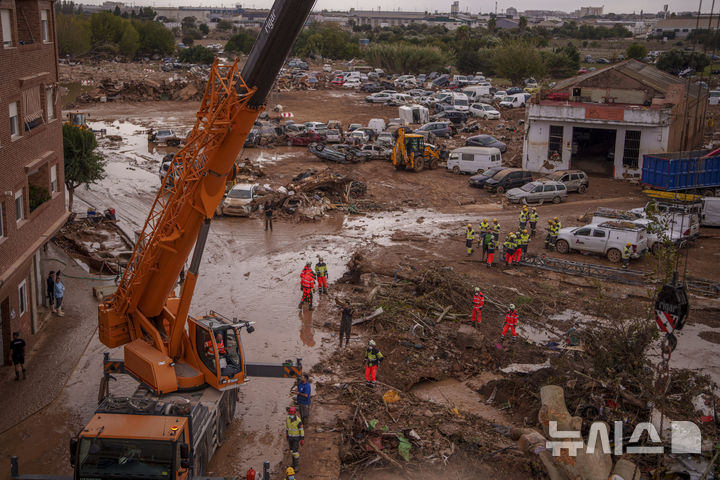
x,y
220,345
307,284
295,434
478,302
322,274
511,320
373,357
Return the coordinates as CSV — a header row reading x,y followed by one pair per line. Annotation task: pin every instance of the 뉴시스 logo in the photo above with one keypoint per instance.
x,y
685,437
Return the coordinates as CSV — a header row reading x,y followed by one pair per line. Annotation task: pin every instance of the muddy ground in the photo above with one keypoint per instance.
x,y
406,254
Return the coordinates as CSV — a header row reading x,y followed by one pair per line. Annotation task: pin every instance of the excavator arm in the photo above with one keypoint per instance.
x,y
162,344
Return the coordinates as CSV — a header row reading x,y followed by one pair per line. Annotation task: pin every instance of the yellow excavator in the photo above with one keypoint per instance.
x,y
412,153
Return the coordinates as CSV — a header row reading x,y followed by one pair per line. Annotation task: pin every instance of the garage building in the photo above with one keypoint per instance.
x,y
604,121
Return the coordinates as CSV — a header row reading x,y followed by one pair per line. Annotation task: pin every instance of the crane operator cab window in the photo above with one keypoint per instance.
x,y
223,346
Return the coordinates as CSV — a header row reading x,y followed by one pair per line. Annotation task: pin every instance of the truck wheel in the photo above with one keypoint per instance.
x,y
708,193
614,255
456,170
479,171
419,163
434,164
557,200
562,247
399,167
320,147
500,189
582,189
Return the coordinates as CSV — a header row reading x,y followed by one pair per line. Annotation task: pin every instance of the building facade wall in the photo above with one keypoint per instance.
x,y
31,160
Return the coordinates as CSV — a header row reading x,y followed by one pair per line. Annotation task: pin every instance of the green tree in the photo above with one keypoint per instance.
x,y
105,28
197,54
492,24
117,12
73,34
188,22
522,24
129,42
675,61
147,13
405,58
188,39
83,164
154,38
204,28
636,51
517,61
224,25
468,61
240,43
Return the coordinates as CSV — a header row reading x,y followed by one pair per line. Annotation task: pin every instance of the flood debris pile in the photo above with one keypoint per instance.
x,y
145,90
607,378
97,243
311,194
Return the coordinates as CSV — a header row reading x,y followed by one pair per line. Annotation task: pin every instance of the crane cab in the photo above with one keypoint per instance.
x,y
219,350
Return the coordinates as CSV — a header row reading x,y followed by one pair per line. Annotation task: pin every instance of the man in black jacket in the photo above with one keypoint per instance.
x,y
17,349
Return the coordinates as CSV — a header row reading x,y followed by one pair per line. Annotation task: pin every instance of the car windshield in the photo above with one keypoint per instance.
x,y
164,132
491,172
461,102
501,174
123,458
488,108
507,99
332,132
239,193
528,187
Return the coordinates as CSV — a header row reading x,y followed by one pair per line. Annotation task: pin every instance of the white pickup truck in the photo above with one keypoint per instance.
x,y
608,239
663,228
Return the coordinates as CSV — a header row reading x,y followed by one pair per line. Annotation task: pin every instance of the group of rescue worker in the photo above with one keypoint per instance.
x,y
511,315
516,243
307,281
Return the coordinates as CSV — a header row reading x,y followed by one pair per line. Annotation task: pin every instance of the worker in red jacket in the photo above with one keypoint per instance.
x,y
511,319
478,302
307,284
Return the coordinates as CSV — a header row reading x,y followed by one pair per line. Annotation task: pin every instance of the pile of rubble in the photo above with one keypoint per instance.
x,y
97,242
144,90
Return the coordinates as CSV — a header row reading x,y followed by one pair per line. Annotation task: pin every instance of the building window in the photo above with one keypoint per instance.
x,y
50,100
14,121
556,139
32,108
45,26
22,297
19,206
53,179
6,26
631,153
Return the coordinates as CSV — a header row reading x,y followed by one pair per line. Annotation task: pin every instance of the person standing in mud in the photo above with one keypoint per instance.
x,y
59,294
345,321
50,286
304,391
307,284
373,358
268,215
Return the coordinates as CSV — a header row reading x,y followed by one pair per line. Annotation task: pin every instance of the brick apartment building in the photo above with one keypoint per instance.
x,y
32,193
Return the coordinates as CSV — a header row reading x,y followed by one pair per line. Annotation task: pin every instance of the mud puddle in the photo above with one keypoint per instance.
x,y
453,393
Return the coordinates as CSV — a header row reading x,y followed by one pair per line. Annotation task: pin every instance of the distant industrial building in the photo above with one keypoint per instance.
x,y
455,8
201,14
589,12
511,12
604,121
681,27
377,18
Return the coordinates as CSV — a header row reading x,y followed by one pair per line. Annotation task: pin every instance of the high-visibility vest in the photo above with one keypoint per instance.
x,y
626,252
534,217
478,300
307,280
524,239
496,228
523,216
373,356
484,226
511,317
321,269
509,246
491,246
469,234
558,225
294,427
220,346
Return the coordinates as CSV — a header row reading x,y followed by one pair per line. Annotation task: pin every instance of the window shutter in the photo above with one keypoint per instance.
x,y
32,108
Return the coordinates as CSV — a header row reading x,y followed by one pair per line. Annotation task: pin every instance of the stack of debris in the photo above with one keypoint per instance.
x,y
145,90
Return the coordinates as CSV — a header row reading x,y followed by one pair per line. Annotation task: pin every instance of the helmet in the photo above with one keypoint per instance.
x,y
512,235
372,343
494,220
290,471
524,207
291,410
525,231
308,263
485,220
477,289
320,259
533,209
469,225
556,219
512,306
550,220
628,244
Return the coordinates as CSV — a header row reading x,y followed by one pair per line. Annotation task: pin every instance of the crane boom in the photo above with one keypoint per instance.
x,y
143,314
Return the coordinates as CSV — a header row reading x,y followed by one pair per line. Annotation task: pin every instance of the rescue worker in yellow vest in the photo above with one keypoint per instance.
x,y
626,255
533,217
322,274
524,241
509,246
496,230
491,246
518,247
549,242
483,228
558,224
522,222
373,357
469,237
295,434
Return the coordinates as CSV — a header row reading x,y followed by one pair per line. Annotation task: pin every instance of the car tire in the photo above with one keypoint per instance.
x,y
479,171
434,164
614,255
562,247
456,170
582,189
500,189
556,200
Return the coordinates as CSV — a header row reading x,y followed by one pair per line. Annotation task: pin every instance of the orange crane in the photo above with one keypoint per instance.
x,y
189,368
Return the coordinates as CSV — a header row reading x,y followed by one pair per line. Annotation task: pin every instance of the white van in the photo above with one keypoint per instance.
x,y
460,101
377,124
513,101
714,97
710,212
476,92
473,159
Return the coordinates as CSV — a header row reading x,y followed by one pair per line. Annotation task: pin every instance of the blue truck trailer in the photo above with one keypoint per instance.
x,y
683,172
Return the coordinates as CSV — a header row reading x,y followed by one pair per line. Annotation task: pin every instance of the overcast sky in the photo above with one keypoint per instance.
x,y
474,6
